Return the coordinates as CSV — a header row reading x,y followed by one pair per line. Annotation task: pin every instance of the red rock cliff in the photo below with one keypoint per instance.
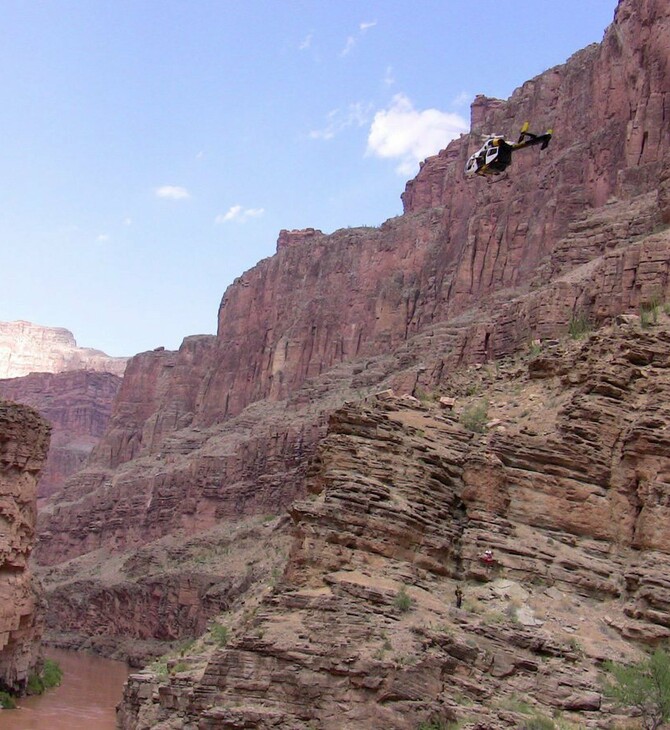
x,y
77,405
24,439
471,271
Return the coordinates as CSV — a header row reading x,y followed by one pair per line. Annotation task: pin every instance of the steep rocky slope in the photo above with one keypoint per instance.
x,y
31,348
24,440
472,271
557,461
223,430
77,405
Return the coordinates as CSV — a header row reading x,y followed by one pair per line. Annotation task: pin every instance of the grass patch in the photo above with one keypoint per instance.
x,y
579,326
649,313
403,601
474,417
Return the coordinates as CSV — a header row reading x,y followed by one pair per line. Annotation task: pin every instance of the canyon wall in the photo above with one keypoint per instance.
x,y
77,405
30,348
564,479
24,440
473,270
225,430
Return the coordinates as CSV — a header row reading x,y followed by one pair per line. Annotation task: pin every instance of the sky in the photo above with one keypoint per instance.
x,y
152,150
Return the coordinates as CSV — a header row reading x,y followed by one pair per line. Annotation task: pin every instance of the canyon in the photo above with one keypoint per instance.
x,y
24,440
301,493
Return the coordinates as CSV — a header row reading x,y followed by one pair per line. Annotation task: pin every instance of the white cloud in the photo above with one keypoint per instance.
x,y
306,43
172,192
102,238
355,115
389,79
127,221
366,26
463,99
348,46
240,214
403,133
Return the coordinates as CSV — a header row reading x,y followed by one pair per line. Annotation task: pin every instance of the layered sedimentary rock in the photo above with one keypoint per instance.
x,y
27,348
564,478
77,405
24,440
472,271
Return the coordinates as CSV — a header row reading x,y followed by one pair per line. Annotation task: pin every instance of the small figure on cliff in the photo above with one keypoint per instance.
x,y
495,155
487,557
459,596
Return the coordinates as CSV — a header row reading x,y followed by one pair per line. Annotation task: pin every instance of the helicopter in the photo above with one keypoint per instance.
x,y
495,155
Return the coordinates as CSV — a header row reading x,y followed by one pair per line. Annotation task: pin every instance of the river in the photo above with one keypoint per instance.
x,y
85,700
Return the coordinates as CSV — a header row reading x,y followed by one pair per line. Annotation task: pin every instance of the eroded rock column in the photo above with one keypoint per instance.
x,y
24,440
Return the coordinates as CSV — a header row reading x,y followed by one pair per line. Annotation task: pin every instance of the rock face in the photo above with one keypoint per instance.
x,y
471,273
77,405
27,348
568,491
24,440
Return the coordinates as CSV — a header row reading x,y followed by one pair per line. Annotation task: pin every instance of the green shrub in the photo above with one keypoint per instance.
x,y
220,634
644,685
7,701
50,676
474,417
403,601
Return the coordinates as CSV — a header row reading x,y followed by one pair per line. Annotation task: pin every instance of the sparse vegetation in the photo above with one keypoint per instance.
x,y
179,667
220,634
403,601
513,704
474,417
438,725
579,325
50,676
644,686
7,701
649,312
539,722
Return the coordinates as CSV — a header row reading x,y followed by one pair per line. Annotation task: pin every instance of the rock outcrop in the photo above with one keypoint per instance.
x,y
77,405
24,440
30,348
566,485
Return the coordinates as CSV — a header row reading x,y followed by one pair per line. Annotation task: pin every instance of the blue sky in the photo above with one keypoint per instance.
x,y
151,150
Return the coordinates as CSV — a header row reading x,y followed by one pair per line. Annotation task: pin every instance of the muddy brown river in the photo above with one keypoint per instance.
x,y
86,699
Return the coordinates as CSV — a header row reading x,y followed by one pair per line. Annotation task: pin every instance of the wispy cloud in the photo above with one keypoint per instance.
x,y
306,42
102,238
355,115
408,135
352,40
172,192
348,46
239,214
389,79
463,99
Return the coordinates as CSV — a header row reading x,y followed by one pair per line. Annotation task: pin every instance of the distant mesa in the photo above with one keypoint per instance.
x,y
27,348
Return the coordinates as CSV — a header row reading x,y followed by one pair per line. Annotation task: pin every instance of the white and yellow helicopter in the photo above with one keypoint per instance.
x,y
495,155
